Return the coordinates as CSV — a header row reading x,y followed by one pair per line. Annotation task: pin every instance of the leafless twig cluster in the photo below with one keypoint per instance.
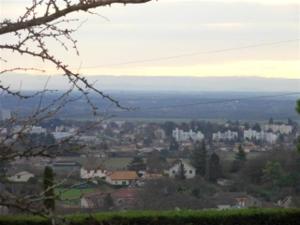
x,y
30,35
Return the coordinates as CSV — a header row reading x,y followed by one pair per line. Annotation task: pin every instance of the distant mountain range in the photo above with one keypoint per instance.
x,y
157,83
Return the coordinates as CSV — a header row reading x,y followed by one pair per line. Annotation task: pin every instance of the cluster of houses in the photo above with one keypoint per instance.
x,y
90,171
128,184
127,178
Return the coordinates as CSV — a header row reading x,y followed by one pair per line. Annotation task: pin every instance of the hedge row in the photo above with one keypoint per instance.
x,y
230,217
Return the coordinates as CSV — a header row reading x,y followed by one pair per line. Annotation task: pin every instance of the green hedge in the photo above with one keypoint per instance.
x,y
230,217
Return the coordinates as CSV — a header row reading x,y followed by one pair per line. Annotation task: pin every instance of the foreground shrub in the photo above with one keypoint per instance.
x,y
211,217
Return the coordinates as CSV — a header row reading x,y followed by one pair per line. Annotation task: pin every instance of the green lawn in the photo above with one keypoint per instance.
x,y
73,193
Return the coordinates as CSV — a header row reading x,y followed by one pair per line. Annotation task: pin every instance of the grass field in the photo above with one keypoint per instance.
x,y
117,163
73,193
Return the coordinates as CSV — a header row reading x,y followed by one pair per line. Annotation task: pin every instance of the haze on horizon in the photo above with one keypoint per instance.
x,y
159,29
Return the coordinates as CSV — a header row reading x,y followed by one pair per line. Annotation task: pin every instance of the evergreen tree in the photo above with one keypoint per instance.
x,y
214,168
49,195
199,158
298,106
3,168
298,110
108,202
273,173
247,126
181,172
173,145
240,158
271,121
240,155
168,127
256,127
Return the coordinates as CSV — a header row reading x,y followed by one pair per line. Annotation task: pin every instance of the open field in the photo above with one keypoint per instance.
x,y
73,193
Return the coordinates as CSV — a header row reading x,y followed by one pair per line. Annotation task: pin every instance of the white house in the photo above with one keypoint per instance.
x,y
63,132
59,135
92,172
38,130
29,129
189,170
122,178
23,176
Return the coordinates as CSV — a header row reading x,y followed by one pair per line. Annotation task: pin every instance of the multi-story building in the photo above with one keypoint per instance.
x,y
181,135
228,135
5,114
260,136
279,128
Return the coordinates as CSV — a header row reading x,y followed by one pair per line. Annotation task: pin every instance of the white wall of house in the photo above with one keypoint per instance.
x,y
190,171
117,182
21,177
89,174
84,203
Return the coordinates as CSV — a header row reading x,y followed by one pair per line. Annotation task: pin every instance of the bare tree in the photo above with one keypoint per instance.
x,y
30,35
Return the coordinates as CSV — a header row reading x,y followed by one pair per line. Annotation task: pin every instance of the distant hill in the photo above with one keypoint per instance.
x,y
163,105
184,83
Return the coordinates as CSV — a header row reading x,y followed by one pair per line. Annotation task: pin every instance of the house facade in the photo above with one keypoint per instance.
x,y
90,173
174,170
23,176
122,178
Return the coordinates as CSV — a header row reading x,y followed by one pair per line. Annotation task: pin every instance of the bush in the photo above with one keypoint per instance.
x,y
210,217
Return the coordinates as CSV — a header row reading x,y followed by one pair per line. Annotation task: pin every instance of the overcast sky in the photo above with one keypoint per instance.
x,y
183,27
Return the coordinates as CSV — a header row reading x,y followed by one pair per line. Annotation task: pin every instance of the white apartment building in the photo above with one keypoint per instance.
x,y
5,114
38,130
29,129
262,136
62,135
181,135
228,135
279,128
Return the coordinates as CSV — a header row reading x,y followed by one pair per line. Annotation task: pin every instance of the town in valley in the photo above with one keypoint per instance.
x,y
118,164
